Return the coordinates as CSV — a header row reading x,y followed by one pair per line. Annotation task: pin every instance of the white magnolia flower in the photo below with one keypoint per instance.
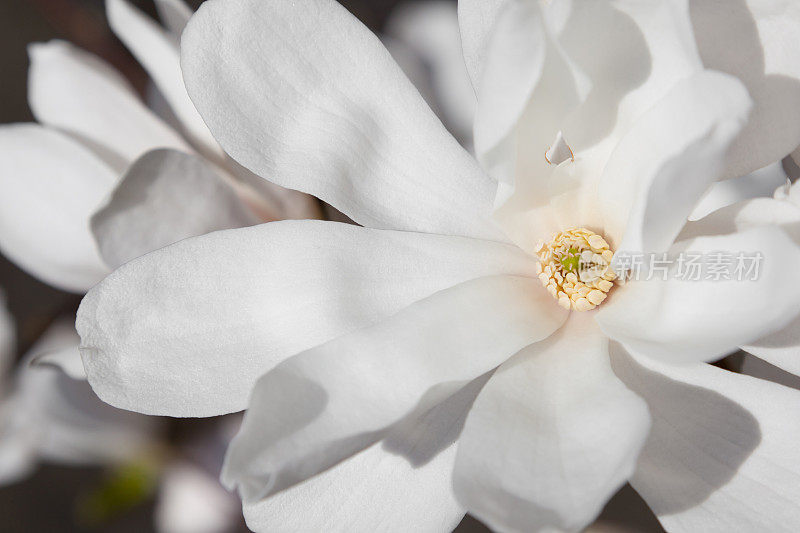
x,y
413,369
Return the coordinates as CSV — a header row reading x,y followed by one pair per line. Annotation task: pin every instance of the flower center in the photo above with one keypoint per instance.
x,y
575,268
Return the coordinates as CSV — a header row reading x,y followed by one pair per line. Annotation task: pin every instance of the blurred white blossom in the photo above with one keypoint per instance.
x,y
96,142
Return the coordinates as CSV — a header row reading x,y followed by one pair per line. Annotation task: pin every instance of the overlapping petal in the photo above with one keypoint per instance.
x,y
332,401
679,318
668,159
51,416
65,358
175,15
159,54
405,479
284,90
756,41
722,451
187,330
429,32
761,183
79,93
589,72
164,197
551,437
50,186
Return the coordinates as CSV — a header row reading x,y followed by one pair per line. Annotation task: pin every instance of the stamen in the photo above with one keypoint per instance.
x,y
575,268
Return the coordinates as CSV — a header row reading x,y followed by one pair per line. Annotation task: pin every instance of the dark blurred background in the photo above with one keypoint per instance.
x,y
47,501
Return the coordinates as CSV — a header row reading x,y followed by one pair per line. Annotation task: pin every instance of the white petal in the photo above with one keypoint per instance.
x,y
330,402
175,14
551,437
165,196
757,367
68,360
667,160
191,501
722,454
605,63
516,51
271,201
477,18
744,215
781,348
305,96
756,41
761,183
403,481
430,31
62,420
79,93
682,320
159,54
50,186
187,330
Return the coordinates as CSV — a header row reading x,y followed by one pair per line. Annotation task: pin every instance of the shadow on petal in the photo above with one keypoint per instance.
x,y
698,441
617,60
728,40
430,430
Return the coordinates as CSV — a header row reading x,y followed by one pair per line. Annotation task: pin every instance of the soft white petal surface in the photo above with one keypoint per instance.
x,y
165,196
54,417
175,14
305,96
79,93
781,348
681,320
668,159
50,186
405,480
67,359
330,402
159,54
745,215
756,41
761,183
722,454
606,65
271,201
430,31
477,19
551,437
759,368
516,49
187,330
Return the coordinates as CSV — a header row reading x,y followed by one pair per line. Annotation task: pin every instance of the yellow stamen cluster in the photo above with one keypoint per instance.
x,y
575,268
